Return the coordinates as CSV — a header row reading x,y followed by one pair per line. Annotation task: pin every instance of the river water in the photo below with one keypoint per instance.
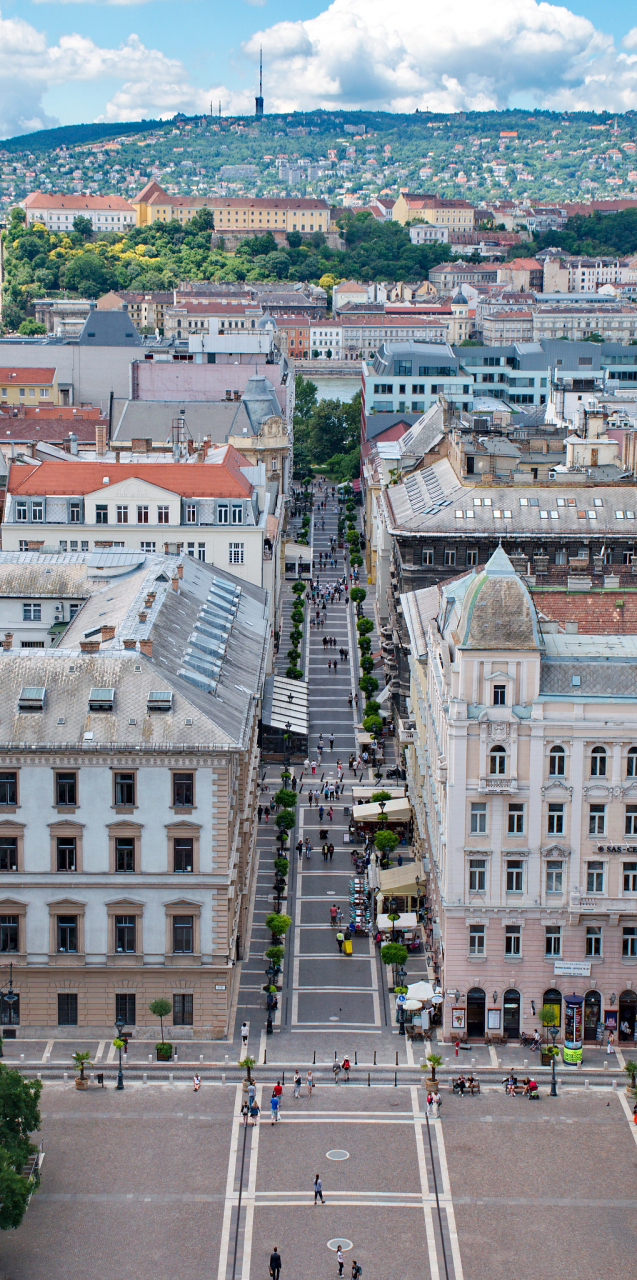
x,y
337,388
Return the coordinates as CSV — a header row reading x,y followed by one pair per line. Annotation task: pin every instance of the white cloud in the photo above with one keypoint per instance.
x,y
463,55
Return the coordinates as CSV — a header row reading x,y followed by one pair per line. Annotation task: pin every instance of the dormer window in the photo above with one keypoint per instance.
x,y
237,513
223,513
31,698
101,700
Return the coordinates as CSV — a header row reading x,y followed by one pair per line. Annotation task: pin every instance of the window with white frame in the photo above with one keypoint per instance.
x,y
516,819
32,612
555,823
629,942
427,555
556,762
597,819
450,557
142,515
554,871
223,513
235,552
476,939
477,875
594,877
497,762
163,515
237,513
514,875
593,941
478,818
631,763
122,515
553,940
191,513
512,940
598,762
499,695
629,871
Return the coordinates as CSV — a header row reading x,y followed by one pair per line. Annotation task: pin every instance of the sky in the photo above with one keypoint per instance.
x,y
74,61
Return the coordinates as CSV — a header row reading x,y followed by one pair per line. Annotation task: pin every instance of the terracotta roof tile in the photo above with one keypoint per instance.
x,y
190,480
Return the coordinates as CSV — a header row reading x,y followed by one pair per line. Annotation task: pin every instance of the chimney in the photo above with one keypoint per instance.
x,y
130,644
180,570
146,646
35,546
89,646
101,436
108,633
8,640
73,444
174,582
142,615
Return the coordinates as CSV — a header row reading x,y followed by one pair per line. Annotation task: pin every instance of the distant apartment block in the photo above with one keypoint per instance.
x,y
459,215
233,213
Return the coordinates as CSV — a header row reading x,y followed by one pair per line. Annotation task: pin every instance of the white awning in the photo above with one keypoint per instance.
x,y
396,810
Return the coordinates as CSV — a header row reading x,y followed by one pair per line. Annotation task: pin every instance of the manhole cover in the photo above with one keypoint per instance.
x,y
334,1018
337,1155
340,1244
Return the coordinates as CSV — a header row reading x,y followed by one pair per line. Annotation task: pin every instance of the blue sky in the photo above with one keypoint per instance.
x,y
64,61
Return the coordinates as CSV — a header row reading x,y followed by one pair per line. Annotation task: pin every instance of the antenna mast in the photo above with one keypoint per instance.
x,y
258,102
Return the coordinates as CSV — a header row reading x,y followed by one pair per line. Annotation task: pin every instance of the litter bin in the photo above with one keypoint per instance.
x,y
346,811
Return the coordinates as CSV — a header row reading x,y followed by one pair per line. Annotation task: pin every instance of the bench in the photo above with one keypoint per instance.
x,y
473,1087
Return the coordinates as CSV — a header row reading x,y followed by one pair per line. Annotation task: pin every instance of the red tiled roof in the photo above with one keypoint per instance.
x,y
26,377
48,430
192,480
66,200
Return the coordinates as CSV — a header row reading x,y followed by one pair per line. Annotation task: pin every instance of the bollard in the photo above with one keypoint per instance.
x,y
526,1062
201,1057
175,1057
374,1057
283,1078
225,1059
223,1077
314,1059
613,1084
171,1078
265,1056
65,1076
39,1075
21,1057
395,1079
355,1058
396,1057
144,1077
473,1062
91,1076
368,1081
150,1057
420,1062
586,1084
604,1065
499,1062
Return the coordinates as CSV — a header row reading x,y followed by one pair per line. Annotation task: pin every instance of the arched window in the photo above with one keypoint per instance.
x,y
556,762
497,761
631,763
598,762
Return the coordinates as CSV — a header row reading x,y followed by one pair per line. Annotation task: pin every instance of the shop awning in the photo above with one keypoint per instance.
x,y
395,811
278,710
408,920
361,794
402,880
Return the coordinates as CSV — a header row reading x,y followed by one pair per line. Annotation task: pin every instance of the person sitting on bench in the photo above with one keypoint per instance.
x,y
530,1089
461,1084
473,1085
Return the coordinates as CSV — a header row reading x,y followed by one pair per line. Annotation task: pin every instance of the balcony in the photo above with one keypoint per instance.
x,y
501,785
406,731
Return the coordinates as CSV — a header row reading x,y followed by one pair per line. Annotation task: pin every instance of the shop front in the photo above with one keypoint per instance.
x,y
592,1016
476,1004
511,1013
627,1015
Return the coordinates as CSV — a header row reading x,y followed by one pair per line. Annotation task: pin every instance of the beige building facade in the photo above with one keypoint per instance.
x,y
522,764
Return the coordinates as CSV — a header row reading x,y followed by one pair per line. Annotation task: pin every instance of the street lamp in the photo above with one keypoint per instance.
x,y
418,897
286,742
392,908
120,1024
553,1029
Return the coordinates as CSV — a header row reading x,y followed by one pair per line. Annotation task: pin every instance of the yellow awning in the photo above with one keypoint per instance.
x,y
402,880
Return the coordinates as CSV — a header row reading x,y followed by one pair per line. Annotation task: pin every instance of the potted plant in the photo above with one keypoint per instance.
x,y
434,1061
81,1059
247,1064
630,1068
160,1008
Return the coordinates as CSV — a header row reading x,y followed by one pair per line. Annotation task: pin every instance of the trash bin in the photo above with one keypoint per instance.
x,y
346,811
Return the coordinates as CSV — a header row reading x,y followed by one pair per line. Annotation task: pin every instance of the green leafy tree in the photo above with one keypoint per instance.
x,y
89,276
31,328
278,923
393,953
83,227
160,1008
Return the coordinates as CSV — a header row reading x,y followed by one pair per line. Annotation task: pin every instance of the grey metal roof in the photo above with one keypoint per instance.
x,y
108,329
153,419
68,581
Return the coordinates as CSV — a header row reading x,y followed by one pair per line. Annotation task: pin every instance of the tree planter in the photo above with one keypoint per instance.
x,y
164,1053
546,1059
80,1083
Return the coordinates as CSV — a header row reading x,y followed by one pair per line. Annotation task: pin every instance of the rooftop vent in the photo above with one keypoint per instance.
x,y
160,700
31,698
101,699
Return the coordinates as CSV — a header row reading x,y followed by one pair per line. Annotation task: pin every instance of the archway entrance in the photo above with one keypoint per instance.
x,y
553,998
627,1015
475,1012
592,1014
512,1012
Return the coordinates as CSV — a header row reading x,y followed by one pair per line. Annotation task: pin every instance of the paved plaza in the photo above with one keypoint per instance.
x,y
158,1180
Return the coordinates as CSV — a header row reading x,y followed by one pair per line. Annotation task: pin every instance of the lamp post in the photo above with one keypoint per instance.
x,y
553,1032
401,974
418,897
392,908
9,999
286,743
120,1024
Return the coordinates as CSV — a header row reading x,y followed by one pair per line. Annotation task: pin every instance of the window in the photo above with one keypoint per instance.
x,y
237,513
191,513
183,854
183,935
142,515
514,876
182,1009
223,513
497,761
125,934
597,820
556,762
183,790
201,551
125,789
512,940
630,877
553,877
235,552
8,933
67,1009
476,940
8,788
163,515
101,514
66,788
477,875
499,695
553,940
125,1009
593,940
122,515
32,613
8,853
450,557
191,548
66,853
631,763
516,819
555,826
37,512
23,545
629,942
595,877
478,819
149,547
125,853
630,826
21,512
67,933
598,762
75,513
427,555
472,558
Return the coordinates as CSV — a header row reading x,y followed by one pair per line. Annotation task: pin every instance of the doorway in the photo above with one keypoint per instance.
x,y
553,998
512,1012
627,1015
475,1012
592,1014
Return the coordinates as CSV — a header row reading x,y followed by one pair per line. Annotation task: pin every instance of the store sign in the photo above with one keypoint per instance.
x,y
617,848
574,968
220,986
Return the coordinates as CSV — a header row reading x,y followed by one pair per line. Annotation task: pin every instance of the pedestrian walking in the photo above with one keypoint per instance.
x,y
321,812
324,852
245,1112
299,848
275,1264
345,1067
357,1270
329,666
313,768
260,812
297,1083
330,813
245,1031
331,742
274,1108
330,850
339,917
255,1112
318,1190
308,849
340,940
339,1259
333,914
252,1092
309,1082
336,1068
267,812
429,1109
456,1047
350,701
437,1102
